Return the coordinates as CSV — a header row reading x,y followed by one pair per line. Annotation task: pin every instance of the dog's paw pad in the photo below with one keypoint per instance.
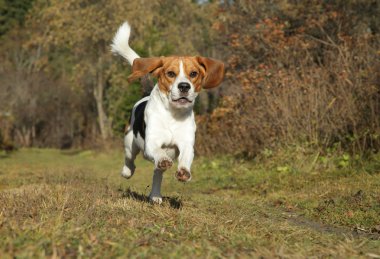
x,y
183,175
164,163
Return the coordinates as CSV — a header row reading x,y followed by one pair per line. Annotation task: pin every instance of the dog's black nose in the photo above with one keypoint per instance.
x,y
184,87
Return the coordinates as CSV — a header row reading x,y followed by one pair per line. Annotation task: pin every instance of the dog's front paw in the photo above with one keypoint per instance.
x,y
164,163
183,175
127,172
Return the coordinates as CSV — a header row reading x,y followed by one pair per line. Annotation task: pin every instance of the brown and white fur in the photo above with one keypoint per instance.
x,y
162,125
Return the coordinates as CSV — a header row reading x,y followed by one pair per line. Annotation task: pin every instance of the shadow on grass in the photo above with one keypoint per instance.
x,y
174,202
71,152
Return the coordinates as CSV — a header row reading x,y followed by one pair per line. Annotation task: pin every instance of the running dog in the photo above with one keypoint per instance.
x,y
162,125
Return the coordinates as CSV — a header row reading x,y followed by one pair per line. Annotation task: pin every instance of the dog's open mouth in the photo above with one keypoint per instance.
x,y
182,100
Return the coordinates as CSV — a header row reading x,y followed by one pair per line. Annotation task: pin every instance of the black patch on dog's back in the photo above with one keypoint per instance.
x,y
139,123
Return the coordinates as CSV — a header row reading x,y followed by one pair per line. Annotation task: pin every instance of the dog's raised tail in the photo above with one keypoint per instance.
x,y
120,43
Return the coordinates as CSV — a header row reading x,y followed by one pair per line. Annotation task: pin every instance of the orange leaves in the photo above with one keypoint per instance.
x,y
271,30
218,26
233,61
220,112
235,40
257,77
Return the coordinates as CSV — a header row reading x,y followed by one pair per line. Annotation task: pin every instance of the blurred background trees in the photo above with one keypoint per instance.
x,y
297,72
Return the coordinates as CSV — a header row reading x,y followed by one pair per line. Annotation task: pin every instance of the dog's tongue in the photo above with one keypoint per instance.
x,y
182,101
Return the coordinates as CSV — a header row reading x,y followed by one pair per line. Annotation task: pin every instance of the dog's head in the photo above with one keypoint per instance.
x,y
180,79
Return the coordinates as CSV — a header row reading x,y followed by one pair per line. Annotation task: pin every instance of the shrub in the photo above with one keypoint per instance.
x,y
306,79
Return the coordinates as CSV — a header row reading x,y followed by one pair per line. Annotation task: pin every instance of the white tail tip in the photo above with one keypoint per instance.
x,y
120,43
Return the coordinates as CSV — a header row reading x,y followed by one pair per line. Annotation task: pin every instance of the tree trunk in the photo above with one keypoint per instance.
x,y
24,135
104,125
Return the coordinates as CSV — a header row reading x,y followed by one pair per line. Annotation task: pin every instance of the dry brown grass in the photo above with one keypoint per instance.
x,y
60,204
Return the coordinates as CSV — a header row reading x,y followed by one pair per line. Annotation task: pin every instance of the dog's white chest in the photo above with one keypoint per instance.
x,y
167,127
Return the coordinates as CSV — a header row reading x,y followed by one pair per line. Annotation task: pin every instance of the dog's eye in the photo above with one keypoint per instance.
x,y
171,74
193,74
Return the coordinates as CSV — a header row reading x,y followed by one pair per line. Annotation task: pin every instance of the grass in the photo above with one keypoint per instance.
x,y
293,204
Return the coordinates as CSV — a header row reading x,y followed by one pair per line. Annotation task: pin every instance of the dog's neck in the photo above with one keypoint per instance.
x,y
162,100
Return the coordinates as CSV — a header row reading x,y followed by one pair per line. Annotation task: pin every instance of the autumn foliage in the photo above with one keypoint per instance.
x,y
297,75
297,72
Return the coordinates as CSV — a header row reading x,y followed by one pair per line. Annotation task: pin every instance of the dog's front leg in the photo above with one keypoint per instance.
x,y
154,152
185,159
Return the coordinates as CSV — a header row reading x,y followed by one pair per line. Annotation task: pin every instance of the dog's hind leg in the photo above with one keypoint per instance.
x,y
131,151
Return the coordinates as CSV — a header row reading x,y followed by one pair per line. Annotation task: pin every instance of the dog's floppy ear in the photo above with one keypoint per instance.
x,y
214,72
143,66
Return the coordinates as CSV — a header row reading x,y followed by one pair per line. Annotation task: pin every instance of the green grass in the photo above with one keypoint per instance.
x,y
293,204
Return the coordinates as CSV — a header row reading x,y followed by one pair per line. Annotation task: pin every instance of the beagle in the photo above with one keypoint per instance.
x,y
162,125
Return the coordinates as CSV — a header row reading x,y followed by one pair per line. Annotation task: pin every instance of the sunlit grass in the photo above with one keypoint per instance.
x,y
75,203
